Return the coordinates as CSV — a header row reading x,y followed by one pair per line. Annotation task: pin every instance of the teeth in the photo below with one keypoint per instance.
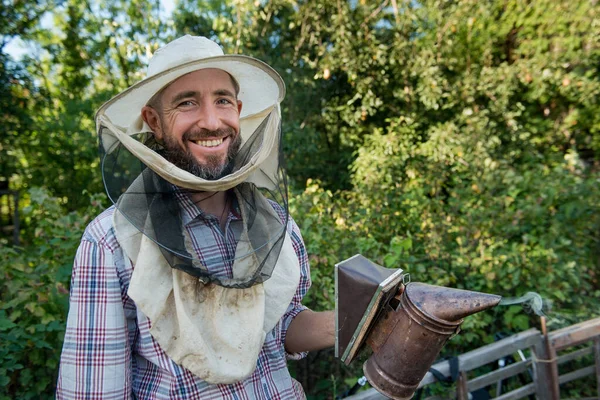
x,y
209,143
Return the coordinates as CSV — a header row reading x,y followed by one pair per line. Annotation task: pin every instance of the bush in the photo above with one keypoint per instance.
x,y
34,296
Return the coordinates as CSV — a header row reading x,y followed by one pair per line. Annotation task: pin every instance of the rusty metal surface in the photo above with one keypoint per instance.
x,y
383,329
407,340
449,304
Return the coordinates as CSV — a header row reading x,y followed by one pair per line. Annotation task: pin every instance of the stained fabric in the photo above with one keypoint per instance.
x,y
109,352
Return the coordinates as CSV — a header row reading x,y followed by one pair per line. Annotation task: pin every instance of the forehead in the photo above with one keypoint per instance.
x,y
204,80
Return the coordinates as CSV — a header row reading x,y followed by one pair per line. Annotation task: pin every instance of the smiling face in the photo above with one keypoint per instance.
x,y
197,119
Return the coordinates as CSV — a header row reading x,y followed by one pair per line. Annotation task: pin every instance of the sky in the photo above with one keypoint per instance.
x,y
16,48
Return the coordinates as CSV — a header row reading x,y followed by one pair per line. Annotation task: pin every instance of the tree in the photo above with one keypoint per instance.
x,y
456,140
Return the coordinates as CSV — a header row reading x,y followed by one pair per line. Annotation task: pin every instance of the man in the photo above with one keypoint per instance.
x,y
190,286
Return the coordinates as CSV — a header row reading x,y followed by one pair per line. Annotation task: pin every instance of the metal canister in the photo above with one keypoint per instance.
x,y
408,338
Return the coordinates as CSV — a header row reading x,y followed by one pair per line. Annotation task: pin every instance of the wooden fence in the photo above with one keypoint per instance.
x,y
540,355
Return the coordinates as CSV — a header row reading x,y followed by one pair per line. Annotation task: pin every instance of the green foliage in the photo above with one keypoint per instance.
x,y
474,166
34,297
13,103
456,140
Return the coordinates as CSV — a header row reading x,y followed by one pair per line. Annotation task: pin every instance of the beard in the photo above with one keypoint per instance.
x,y
215,167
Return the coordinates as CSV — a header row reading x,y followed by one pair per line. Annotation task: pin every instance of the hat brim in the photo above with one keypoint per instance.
x,y
261,87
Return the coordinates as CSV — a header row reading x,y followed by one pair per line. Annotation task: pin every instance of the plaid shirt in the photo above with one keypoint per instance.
x,y
108,352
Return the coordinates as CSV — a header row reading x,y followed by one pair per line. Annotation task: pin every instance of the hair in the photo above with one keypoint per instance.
x,y
155,101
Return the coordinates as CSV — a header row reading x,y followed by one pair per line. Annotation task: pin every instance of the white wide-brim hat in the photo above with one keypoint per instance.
x,y
261,87
119,120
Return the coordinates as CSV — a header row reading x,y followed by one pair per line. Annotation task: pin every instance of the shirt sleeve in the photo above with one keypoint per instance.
x,y
296,306
96,357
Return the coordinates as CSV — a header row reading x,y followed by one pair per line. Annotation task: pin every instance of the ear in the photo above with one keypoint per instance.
x,y
152,118
239,106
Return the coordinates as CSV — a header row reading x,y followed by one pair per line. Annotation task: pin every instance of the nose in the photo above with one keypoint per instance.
x,y
208,118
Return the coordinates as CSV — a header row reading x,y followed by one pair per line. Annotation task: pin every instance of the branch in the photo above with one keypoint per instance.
x,y
239,30
374,13
395,7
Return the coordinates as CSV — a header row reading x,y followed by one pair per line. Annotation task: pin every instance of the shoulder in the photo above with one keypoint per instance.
x,y
292,227
100,262
101,232
294,232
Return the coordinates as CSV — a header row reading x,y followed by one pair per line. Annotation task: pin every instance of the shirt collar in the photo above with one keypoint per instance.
x,y
190,211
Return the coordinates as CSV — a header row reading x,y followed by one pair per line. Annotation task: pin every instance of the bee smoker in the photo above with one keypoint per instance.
x,y
405,324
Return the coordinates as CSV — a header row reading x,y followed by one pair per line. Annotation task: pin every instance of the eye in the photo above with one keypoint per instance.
x,y
224,101
186,103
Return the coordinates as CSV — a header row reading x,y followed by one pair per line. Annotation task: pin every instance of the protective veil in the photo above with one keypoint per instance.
x,y
211,325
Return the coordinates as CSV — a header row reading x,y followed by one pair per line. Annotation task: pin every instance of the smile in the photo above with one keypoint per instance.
x,y
209,143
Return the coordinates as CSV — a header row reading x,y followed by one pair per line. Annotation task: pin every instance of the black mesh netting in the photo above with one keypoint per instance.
x,y
153,206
